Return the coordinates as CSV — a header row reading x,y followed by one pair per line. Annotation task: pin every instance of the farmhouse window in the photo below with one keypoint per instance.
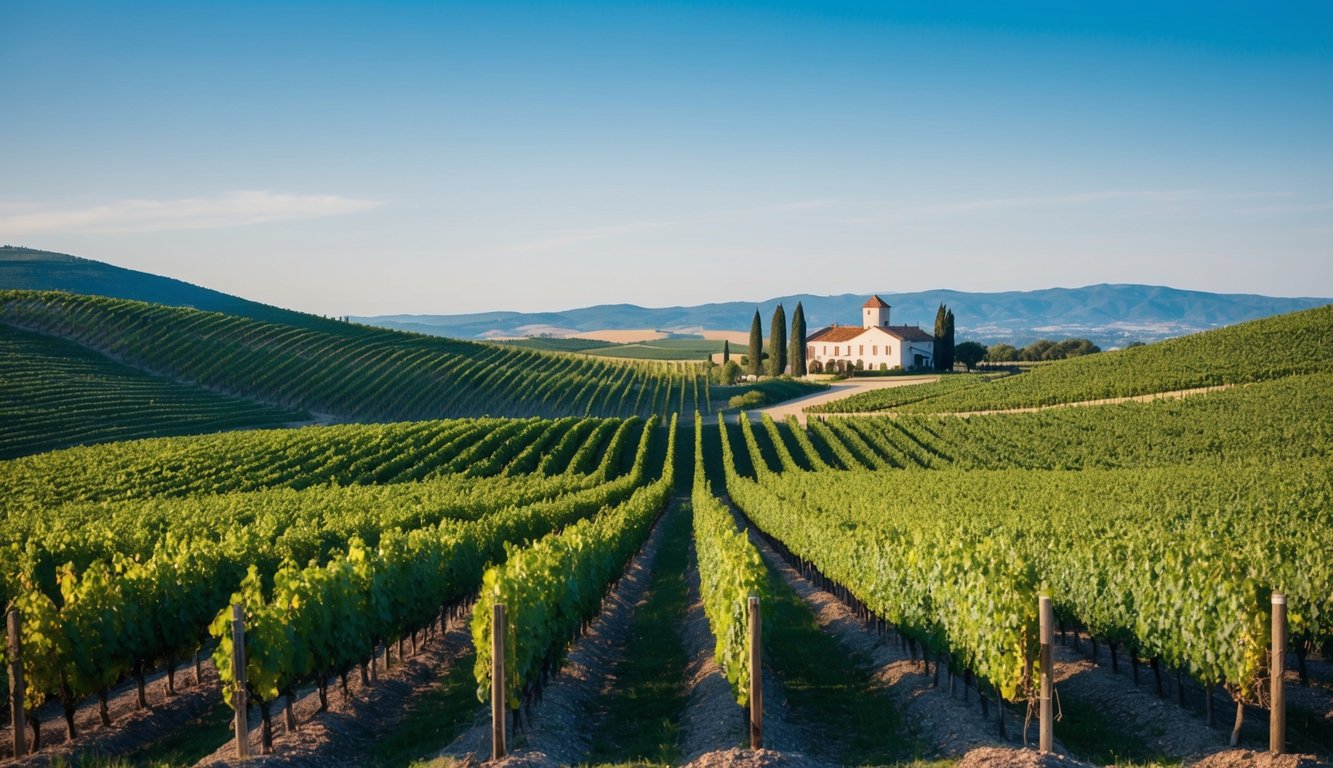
x,y
835,351
874,351
861,349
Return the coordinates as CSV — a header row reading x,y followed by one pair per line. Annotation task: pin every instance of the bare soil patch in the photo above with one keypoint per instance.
x,y
622,337
752,758
736,338
996,757
1242,758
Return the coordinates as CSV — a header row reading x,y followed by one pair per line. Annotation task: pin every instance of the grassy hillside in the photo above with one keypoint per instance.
x,y
54,393
1260,350
31,269
354,372
660,349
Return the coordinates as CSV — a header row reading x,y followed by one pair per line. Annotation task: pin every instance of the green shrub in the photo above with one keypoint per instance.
x,y
752,399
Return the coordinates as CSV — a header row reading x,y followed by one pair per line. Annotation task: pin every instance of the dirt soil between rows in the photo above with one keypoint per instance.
x,y
561,726
131,728
343,735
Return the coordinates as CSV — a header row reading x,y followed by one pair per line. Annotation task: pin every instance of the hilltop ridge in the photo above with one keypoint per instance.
x,y
1110,315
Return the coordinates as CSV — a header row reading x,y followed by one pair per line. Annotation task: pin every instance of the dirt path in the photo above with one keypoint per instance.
x,y
560,728
1173,395
837,391
347,732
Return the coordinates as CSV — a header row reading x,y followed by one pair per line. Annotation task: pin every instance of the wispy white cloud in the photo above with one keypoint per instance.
x,y
1000,203
563,238
229,209
789,207
1289,208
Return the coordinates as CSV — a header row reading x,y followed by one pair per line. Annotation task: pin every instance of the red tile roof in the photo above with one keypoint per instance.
x,y
836,333
875,303
839,333
909,333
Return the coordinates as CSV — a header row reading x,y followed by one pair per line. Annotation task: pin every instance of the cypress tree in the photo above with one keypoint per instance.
x,y
777,343
726,351
948,340
944,339
756,346
939,338
797,351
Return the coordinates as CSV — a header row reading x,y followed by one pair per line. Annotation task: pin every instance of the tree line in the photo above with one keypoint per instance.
x,y
785,355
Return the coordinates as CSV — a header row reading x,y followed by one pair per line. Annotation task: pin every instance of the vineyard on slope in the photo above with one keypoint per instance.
x,y
1259,350
354,372
1282,420
54,393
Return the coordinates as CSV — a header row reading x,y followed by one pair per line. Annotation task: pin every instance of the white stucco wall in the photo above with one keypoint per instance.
x,y
873,347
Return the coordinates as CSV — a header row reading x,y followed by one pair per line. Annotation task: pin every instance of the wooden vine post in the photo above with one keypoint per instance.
x,y
238,695
498,682
16,691
1046,724
1277,719
756,679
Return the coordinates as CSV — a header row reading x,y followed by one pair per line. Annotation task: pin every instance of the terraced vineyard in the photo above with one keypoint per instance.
x,y
355,372
56,393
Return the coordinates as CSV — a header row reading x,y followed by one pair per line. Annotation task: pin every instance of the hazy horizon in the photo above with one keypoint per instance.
x,y
415,158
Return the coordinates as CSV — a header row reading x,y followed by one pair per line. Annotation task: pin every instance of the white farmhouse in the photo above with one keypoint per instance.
x,y
875,346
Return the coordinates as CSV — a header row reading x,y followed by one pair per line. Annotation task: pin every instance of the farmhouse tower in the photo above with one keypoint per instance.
x,y
875,313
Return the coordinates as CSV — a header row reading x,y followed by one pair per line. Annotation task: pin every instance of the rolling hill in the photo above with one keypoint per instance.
x,y
34,270
1110,315
56,393
345,371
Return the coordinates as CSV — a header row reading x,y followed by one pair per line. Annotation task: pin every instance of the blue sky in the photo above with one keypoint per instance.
x,y
448,157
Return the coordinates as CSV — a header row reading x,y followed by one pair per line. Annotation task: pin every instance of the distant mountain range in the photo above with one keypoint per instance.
x,y
1110,315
